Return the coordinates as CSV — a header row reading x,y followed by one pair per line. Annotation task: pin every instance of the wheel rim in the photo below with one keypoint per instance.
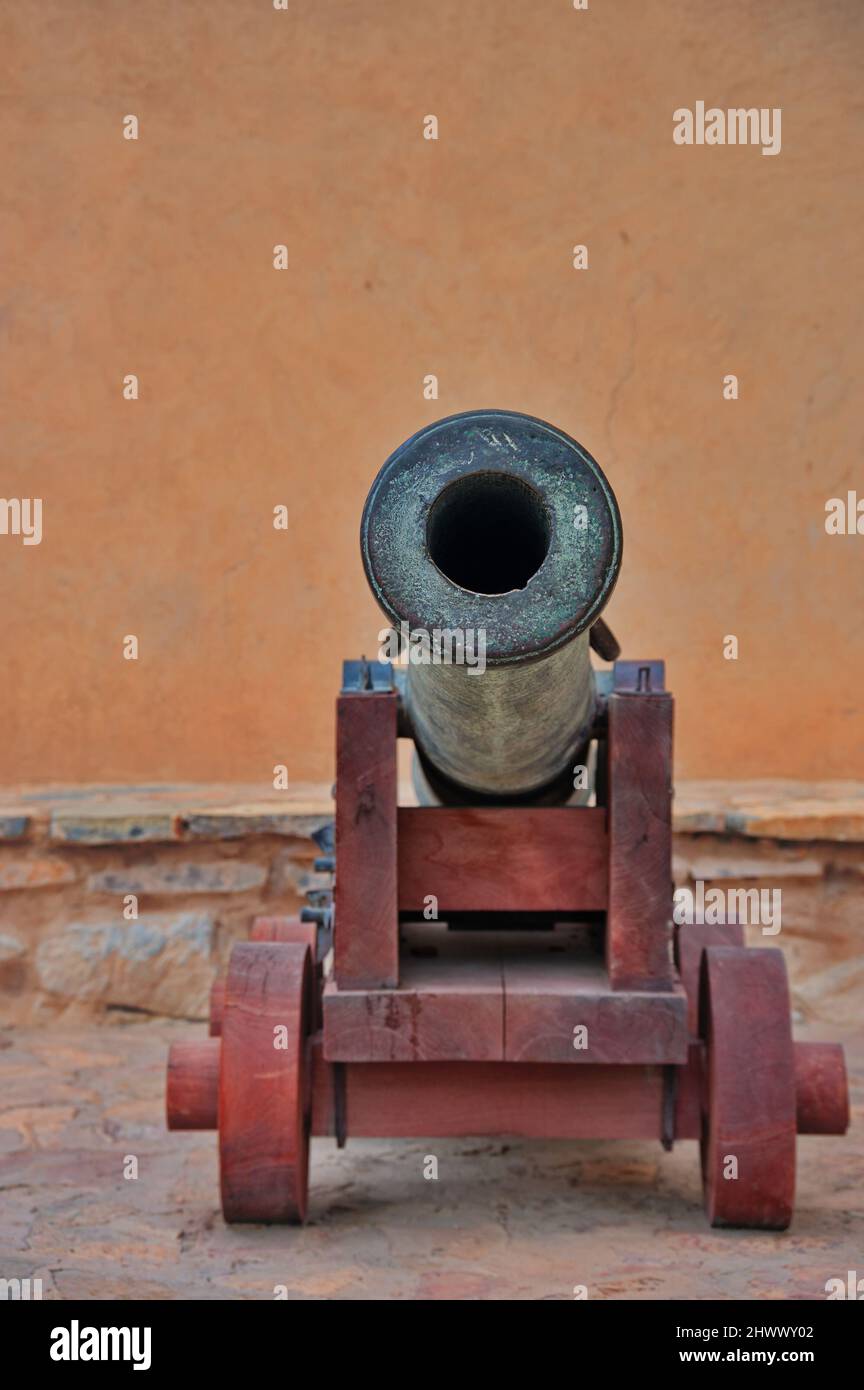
x,y
748,1113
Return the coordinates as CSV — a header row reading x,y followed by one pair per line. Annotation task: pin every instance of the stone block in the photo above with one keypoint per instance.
x,y
41,872
113,827
13,825
235,822
159,963
220,876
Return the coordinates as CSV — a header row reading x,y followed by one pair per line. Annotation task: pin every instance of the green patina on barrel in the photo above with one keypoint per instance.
x,y
495,523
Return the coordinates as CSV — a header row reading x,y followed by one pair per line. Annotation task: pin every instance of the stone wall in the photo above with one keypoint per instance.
x,y
121,900
129,899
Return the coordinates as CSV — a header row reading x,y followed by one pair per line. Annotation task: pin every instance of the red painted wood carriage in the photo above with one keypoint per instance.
x,y
424,1031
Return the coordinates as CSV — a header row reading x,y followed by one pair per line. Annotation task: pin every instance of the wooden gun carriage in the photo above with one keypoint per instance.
x,y
501,961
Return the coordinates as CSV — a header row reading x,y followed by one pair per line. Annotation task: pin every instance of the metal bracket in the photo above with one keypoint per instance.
x,y
361,677
670,1096
639,677
340,1107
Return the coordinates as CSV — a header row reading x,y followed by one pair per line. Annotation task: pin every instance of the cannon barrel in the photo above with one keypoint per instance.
x,y
492,541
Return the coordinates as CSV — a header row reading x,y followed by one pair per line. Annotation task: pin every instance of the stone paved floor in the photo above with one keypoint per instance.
x,y
504,1220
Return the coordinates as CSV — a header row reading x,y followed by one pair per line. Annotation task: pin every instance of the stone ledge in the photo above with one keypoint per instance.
x,y
776,810
129,815
108,815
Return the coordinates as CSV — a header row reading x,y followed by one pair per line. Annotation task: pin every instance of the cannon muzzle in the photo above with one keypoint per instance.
x,y
492,542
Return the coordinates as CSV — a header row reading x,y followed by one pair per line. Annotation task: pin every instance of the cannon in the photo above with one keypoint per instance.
x,y
501,959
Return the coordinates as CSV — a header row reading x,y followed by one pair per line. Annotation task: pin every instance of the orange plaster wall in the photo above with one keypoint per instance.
x,y
409,257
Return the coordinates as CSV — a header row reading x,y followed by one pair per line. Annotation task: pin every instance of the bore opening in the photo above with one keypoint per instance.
x,y
488,532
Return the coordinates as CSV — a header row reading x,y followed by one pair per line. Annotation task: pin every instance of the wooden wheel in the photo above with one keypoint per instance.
x,y
748,1112
690,942
292,929
264,1092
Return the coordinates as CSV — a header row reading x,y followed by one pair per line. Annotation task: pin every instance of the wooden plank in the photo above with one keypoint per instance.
x,y
639,916
503,858
551,1004
443,1010
366,944
479,997
491,1099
